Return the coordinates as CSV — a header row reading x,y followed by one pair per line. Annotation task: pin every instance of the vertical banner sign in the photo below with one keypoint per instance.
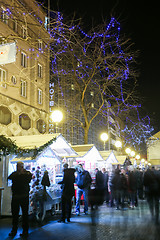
x,y
7,53
51,105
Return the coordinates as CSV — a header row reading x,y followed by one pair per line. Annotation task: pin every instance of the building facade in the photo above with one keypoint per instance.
x,y
24,84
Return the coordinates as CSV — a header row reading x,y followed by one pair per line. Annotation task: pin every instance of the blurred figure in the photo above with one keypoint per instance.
x,y
67,192
117,186
96,195
124,188
152,188
83,182
110,188
140,191
132,186
106,192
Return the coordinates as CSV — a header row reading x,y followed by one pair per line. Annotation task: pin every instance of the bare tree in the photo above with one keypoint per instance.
x,y
94,72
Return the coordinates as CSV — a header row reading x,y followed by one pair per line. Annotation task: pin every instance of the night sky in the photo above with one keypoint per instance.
x,y
139,20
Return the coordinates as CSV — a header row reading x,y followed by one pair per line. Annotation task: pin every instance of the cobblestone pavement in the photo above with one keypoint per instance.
x,y
105,224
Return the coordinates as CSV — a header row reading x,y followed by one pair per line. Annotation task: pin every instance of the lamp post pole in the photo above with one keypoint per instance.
x,y
104,138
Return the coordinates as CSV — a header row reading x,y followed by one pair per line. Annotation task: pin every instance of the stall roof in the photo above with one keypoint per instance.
x,y
121,158
111,159
82,149
93,155
23,159
60,146
33,141
105,154
156,136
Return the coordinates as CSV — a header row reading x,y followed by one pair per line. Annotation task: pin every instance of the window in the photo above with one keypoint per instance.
x,y
39,44
3,40
23,88
24,32
41,126
3,78
13,80
39,70
4,16
5,115
39,96
23,59
24,121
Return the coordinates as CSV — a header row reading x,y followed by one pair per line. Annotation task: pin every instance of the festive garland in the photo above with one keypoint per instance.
x,y
7,146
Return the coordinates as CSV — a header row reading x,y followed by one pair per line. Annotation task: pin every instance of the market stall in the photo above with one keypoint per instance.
x,y
89,155
44,153
110,161
153,150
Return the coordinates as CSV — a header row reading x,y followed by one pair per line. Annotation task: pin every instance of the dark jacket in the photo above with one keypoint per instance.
x,y
116,181
124,184
20,182
100,180
152,182
68,183
83,179
132,181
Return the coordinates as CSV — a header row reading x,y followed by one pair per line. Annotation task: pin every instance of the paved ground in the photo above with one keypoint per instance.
x,y
108,224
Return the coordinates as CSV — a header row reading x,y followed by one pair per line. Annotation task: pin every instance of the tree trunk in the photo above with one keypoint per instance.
x,y
86,129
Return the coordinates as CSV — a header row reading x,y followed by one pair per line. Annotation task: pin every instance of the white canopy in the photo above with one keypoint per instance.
x,y
111,160
60,146
89,154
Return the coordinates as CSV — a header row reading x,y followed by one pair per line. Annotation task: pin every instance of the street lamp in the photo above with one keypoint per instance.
x,y
128,150
132,153
118,144
104,138
57,117
137,157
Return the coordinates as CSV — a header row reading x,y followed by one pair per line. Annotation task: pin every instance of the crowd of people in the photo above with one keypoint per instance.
x,y
120,188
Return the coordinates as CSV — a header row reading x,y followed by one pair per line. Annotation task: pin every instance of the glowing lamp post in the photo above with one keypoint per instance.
x,y
132,153
137,156
118,144
128,150
57,117
104,138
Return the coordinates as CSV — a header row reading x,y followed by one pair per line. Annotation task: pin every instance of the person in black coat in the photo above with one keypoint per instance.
x,y
117,185
67,192
20,198
132,186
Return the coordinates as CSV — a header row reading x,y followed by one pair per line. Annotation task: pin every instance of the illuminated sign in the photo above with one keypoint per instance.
x,y
7,53
51,105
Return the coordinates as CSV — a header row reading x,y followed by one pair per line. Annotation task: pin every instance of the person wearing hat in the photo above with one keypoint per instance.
x,y
67,192
20,198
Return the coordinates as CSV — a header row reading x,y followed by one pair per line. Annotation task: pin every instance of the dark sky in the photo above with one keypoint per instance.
x,y
140,21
